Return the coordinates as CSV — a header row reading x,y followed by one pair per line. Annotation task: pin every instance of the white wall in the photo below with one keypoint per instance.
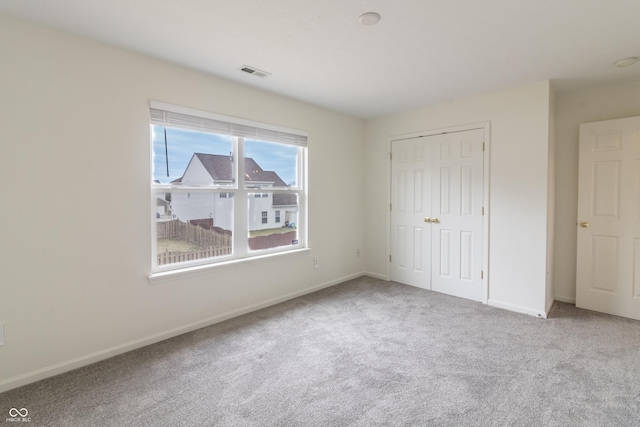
x,y
518,206
584,106
75,138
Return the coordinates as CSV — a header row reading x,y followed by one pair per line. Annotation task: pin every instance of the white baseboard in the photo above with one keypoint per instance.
x,y
570,300
517,308
78,362
375,275
549,305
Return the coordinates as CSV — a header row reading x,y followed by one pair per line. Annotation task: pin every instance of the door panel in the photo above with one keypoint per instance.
x,y
608,220
606,189
457,233
401,249
466,190
604,259
410,235
466,255
444,251
418,257
445,191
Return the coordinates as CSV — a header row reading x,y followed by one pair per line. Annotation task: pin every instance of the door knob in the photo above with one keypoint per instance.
x,y
435,220
427,219
584,224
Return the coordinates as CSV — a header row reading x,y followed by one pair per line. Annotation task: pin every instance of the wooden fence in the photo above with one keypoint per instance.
x,y
173,257
213,241
198,235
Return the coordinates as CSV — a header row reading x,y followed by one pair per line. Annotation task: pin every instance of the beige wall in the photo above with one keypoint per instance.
x,y
591,105
76,219
519,194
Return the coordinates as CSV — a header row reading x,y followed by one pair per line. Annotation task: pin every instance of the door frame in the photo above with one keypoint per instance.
x,y
486,127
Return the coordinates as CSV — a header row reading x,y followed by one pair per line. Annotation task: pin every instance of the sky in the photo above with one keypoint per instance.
x,y
181,144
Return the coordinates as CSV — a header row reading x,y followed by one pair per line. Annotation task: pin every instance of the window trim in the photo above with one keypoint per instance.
x,y
240,191
161,276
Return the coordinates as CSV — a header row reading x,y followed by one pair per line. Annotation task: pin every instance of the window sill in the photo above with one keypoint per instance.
x,y
170,275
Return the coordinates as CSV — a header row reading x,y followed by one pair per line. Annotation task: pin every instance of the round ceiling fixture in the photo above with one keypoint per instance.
x,y
626,62
369,18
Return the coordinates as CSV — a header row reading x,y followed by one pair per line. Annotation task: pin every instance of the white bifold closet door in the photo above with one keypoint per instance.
x,y
436,212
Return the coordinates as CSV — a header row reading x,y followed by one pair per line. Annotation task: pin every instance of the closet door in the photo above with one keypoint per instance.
x,y
410,211
436,212
457,188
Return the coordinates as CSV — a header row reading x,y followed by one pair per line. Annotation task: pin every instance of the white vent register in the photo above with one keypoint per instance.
x,y
254,71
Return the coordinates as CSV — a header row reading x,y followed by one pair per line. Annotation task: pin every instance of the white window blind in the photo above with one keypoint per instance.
x,y
174,116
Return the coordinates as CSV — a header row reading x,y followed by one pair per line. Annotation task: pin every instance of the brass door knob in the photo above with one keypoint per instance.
x,y
427,219
436,220
584,224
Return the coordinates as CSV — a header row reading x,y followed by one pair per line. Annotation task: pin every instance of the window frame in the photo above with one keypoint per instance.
x,y
239,191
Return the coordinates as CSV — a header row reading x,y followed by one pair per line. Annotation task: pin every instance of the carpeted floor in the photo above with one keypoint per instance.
x,y
363,353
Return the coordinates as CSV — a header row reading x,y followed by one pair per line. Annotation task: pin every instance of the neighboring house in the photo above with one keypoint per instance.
x,y
266,210
163,209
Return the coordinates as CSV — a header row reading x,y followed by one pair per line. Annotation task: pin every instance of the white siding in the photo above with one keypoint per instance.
x,y
196,205
196,173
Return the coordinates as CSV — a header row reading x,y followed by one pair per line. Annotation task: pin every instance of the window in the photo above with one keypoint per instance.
x,y
215,182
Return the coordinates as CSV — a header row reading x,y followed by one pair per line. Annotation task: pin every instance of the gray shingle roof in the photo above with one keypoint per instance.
x,y
220,167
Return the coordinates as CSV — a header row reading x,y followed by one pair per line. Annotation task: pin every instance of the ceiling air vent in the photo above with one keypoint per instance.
x,y
254,71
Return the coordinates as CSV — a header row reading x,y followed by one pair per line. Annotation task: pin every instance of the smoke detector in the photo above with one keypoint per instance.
x,y
369,18
254,71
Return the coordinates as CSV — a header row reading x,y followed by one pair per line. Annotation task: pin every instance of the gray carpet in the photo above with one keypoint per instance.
x,y
364,353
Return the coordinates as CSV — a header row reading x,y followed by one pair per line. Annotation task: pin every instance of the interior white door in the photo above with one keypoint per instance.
x,y
457,188
608,257
436,217
411,205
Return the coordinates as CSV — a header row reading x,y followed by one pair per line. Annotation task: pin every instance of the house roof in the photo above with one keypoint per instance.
x,y
220,167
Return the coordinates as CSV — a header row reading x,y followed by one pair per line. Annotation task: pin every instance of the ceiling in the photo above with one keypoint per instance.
x,y
422,52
